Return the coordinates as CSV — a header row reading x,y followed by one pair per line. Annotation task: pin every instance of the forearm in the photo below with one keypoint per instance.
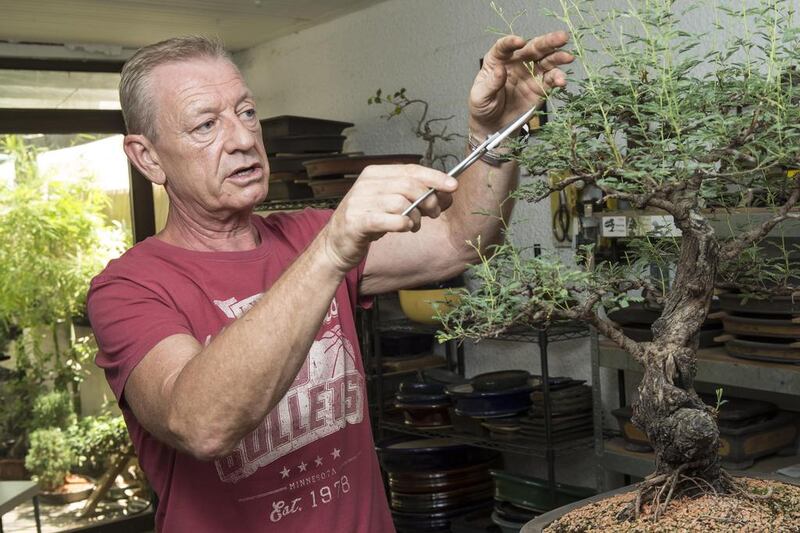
x,y
481,205
234,382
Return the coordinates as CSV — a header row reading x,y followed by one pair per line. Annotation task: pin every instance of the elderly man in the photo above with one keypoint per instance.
x,y
229,338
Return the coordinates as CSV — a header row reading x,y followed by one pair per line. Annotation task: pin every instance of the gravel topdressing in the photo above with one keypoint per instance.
x,y
706,514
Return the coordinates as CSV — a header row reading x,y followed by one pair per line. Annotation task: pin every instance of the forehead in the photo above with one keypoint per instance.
x,y
187,85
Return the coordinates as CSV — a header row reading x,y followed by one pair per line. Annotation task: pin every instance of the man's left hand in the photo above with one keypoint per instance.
x,y
504,88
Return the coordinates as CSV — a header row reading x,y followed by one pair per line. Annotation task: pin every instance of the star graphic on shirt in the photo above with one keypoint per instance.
x,y
335,453
318,461
302,466
285,473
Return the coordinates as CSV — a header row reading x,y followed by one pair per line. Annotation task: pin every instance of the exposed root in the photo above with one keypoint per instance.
x,y
658,490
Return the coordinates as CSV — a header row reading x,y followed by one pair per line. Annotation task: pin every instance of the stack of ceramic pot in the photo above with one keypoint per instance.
x,y
764,330
291,140
570,411
434,481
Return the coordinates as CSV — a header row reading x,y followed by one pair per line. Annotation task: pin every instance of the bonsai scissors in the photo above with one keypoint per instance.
x,y
491,142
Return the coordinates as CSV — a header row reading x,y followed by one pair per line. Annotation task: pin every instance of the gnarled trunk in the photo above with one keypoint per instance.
x,y
682,429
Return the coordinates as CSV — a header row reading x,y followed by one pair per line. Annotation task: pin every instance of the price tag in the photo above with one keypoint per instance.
x,y
614,227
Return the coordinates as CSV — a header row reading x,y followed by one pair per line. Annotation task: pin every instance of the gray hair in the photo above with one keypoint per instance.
x,y
134,94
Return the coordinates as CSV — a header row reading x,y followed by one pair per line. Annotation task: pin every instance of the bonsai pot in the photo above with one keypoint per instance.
x,y
13,470
76,488
418,304
538,524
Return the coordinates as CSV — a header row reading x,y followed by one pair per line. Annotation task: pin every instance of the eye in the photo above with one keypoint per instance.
x,y
205,126
250,113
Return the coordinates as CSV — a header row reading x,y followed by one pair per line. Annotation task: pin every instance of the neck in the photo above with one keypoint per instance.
x,y
235,233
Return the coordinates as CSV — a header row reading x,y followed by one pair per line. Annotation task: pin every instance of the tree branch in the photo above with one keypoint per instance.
x,y
748,238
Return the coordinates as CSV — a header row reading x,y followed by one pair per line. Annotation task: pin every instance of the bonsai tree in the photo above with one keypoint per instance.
x,y
50,457
431,130
655,122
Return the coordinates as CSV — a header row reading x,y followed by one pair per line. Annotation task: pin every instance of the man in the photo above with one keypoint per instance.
x,y
229,339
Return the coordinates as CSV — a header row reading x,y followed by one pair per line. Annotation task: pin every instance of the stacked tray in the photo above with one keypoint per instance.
x,y
434,481
423,405
570,411
749,429
764,330
518,498
637,320
332,175
291,140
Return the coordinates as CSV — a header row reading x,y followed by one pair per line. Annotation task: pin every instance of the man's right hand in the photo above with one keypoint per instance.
x,y
374,204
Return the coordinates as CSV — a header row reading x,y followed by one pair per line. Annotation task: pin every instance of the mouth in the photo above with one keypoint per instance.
x,y
246,172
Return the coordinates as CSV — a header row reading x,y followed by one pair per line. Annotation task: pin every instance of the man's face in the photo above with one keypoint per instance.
x,y
208,137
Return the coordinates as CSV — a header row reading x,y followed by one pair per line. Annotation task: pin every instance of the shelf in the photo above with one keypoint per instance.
x,y
293,205
715,366
616,458
561,331
513,444
725,222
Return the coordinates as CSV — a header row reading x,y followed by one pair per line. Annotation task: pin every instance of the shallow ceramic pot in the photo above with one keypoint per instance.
x,y
538,524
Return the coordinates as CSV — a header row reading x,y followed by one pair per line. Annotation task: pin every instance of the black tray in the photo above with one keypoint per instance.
x,y
285,125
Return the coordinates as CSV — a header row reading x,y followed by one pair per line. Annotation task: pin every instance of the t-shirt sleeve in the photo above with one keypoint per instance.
x,y
128,319
309,222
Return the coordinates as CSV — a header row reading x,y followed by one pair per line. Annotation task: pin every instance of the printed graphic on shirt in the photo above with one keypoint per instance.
x,y
327,394
234,309
309,484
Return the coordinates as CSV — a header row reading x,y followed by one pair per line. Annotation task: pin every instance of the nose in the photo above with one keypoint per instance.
x,y
238,137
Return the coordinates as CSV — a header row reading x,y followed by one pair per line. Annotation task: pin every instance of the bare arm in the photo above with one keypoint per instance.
x,y
503,90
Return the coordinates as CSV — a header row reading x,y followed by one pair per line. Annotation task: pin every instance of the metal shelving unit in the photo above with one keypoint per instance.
x,y
513,444
714,366
455,357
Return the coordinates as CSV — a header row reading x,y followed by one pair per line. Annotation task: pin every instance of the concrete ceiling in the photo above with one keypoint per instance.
x,y
133,23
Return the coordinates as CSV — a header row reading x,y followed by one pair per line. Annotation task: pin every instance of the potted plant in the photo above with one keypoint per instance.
x,y
53,238
691,136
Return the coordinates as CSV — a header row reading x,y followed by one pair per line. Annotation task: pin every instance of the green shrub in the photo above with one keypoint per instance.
x,y
53,409
95,439
50,457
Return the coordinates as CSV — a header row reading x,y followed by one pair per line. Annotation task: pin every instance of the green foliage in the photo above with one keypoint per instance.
x,y
50,457
720,401
96,438
53,409
53,240
652,120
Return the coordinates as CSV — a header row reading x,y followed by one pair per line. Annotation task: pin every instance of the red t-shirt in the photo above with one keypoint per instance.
x,y
311,464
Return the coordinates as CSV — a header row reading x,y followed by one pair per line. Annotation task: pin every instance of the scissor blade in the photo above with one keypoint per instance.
x,y
490,143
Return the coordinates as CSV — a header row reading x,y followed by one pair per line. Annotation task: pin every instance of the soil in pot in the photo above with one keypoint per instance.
x,y
779,513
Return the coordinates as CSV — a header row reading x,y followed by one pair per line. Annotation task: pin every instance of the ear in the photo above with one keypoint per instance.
x,y
144,157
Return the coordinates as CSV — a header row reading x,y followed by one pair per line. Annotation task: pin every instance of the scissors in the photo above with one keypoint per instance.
x,y
491,142
561,218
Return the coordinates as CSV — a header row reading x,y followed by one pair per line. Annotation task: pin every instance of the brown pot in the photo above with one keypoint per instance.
x,y
13,470
76,488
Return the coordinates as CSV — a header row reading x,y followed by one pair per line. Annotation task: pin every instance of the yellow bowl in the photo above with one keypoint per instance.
x,y
418,304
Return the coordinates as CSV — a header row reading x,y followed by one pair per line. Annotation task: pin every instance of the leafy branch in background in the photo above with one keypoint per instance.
x,y
426,128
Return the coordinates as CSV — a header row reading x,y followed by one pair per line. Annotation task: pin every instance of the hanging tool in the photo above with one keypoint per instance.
x,y
491,142
562,219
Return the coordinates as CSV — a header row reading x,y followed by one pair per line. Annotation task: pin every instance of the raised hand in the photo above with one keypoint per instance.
x,y
504,88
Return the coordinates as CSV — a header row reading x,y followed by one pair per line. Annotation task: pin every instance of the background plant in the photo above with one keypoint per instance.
x,y
655,122
430,130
